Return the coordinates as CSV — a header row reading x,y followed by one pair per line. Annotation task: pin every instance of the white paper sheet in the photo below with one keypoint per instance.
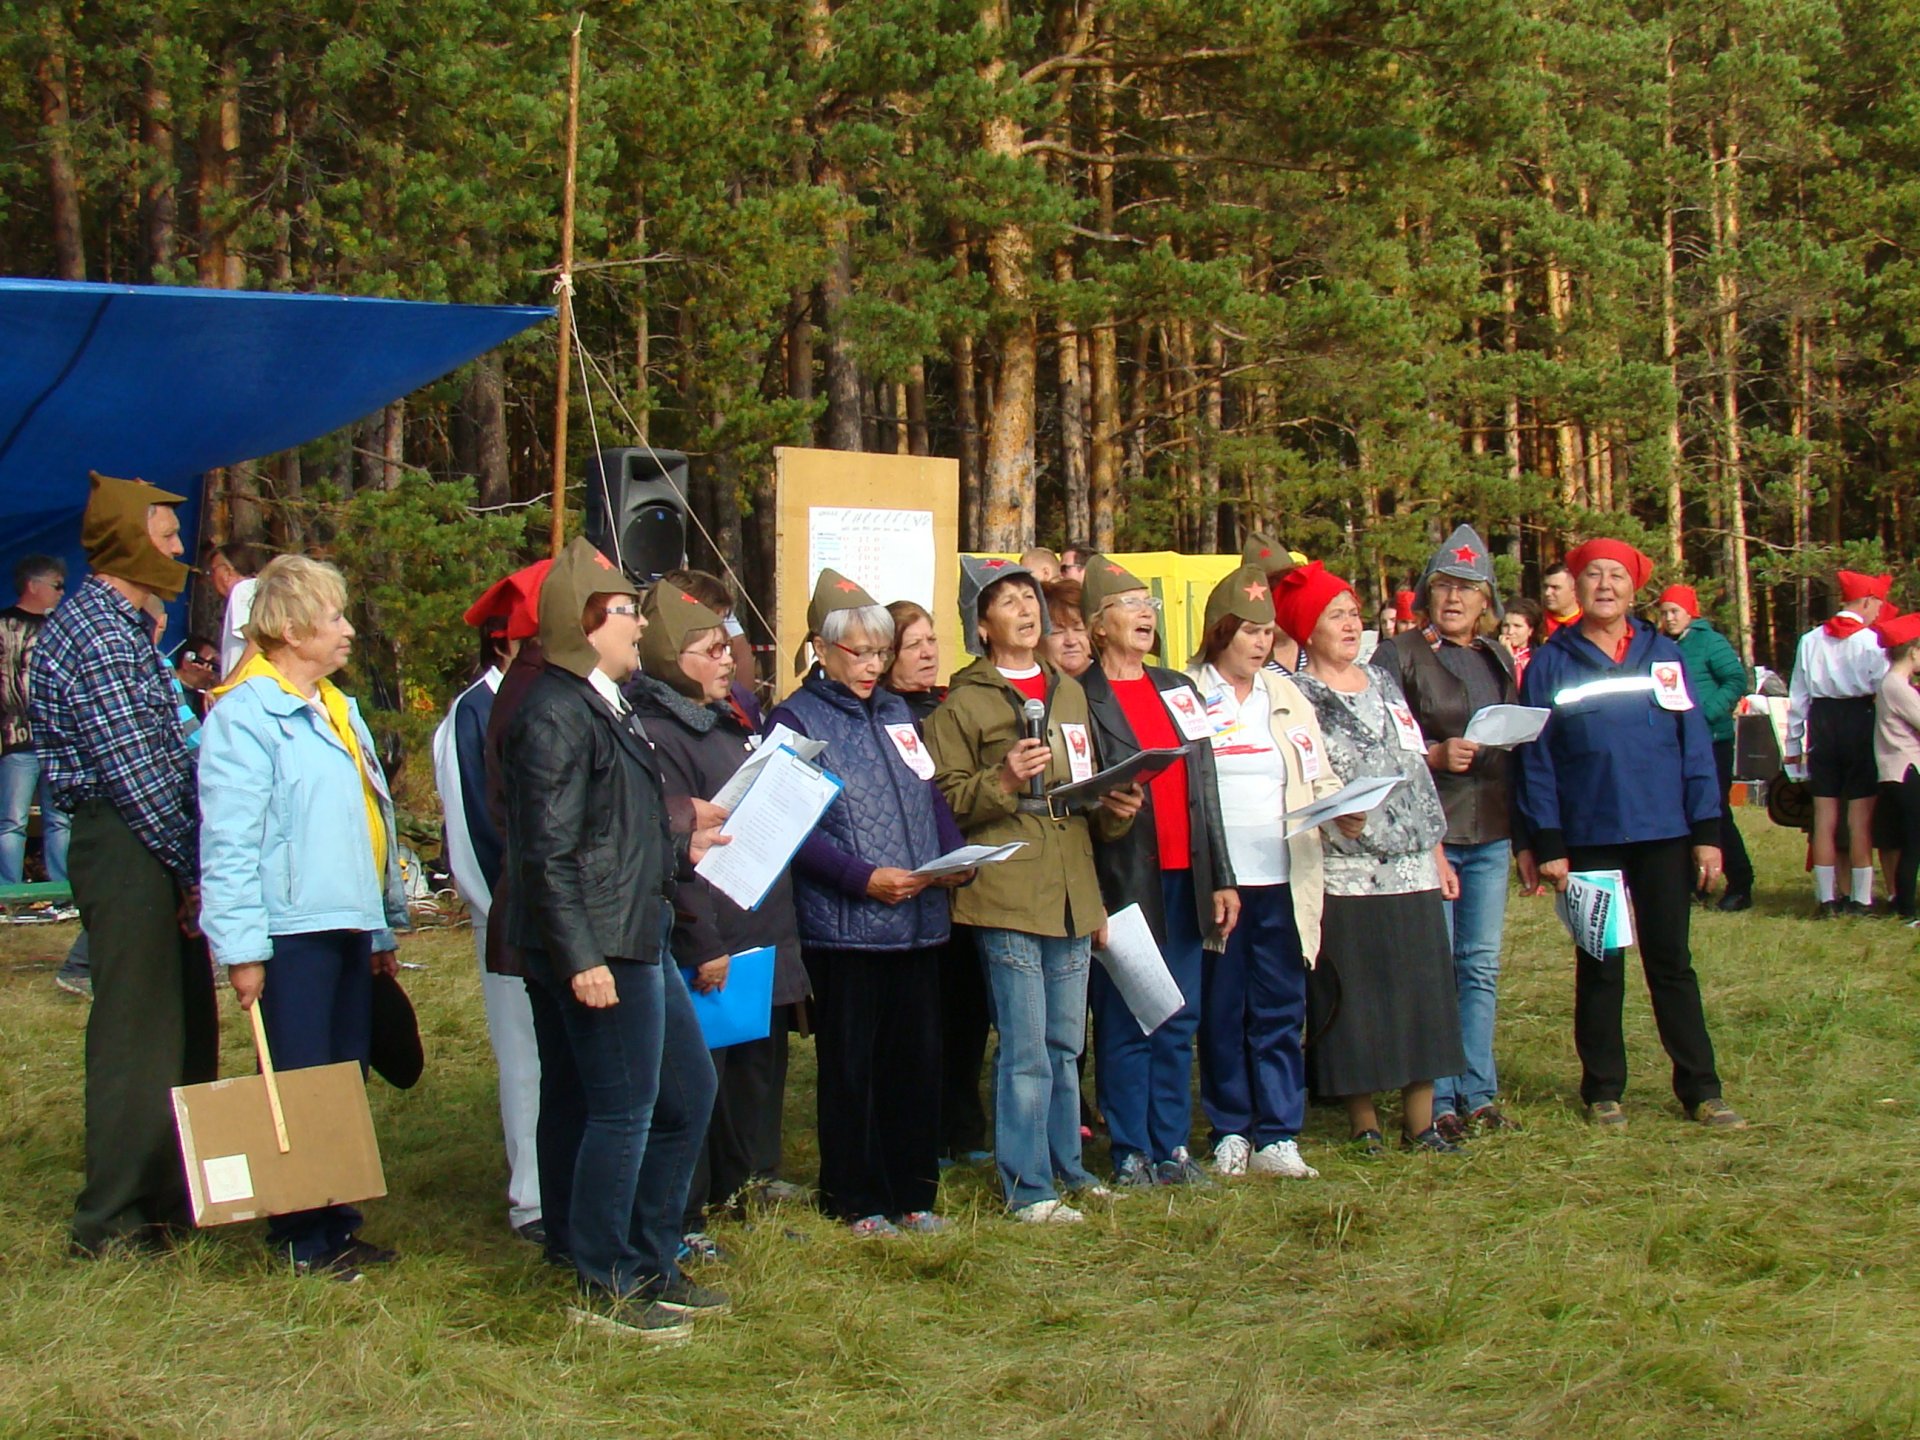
x,y
228,1178
890,552
781,807
1594,909
731,793
1356,798
1139,971
968,857
1500,727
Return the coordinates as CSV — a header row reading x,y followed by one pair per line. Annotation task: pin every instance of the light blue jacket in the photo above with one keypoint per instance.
x,y
284,848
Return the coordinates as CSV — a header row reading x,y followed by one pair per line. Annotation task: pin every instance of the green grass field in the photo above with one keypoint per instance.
x,y
1668,1283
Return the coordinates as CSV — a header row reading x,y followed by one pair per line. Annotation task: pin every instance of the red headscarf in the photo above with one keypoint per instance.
x,y
1302,595
1684,597
1856,586
1638,566
1403,606
1897,630
515,599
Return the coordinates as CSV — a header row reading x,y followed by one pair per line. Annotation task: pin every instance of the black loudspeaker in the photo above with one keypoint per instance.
x,y
636,511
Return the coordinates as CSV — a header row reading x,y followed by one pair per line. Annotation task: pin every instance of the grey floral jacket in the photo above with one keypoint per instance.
x,y
1364,737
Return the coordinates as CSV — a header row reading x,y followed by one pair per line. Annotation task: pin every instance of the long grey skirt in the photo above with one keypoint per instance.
x,y
1381,1009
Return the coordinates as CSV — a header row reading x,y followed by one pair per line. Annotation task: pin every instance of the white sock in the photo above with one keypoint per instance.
x,y
1863,885
1823,881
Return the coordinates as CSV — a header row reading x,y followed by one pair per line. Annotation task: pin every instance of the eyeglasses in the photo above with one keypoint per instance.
x,y
206,660
1136,602
719,650
863,657
630,611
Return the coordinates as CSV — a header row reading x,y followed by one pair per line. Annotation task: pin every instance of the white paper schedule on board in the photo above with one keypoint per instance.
x,y
781,807
890,552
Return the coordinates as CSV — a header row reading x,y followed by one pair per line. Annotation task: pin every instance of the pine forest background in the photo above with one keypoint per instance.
x,y
1158,272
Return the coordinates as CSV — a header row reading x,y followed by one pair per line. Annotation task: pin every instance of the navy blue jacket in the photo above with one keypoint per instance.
x,y
1614,766
886,816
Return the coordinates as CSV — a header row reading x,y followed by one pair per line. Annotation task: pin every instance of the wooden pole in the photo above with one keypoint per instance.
x,y
559,536
266,1073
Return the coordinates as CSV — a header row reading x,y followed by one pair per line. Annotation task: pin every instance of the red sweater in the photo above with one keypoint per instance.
x,y
1153,727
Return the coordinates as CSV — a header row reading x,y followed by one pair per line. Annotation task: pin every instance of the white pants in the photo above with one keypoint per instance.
x,y
510,1028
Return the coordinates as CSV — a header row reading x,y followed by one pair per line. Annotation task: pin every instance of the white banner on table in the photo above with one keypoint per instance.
x,y
890,552
1139,971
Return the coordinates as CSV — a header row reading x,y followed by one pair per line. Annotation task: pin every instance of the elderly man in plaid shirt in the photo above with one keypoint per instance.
x,y
109,736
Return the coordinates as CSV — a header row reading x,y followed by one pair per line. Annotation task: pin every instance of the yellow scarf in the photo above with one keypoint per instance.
x,y
335,705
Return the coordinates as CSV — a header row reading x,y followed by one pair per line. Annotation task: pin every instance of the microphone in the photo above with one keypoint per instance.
x,y
1035,714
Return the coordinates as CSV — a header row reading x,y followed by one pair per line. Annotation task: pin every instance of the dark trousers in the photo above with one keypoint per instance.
x,y
562,1119
1253,1072
1905,797
879,1091
743,1137
645,1086
1659,876
318,1009
152,1026
1733,849
966,1015
1145,1082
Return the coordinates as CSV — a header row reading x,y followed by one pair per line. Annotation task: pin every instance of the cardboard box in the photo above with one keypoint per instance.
x,y
235,1167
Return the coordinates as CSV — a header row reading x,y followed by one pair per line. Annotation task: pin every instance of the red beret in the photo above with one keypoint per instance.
x,y
516,600
1638,566
1855,586
1403,606
1898,630
1302,595
1684,597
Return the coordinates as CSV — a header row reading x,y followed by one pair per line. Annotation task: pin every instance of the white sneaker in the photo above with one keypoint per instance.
x,y
1282,1157
1230,1155
1048,1212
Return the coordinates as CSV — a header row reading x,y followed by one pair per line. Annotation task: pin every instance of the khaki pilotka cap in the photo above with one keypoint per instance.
x,y
672,615
832,591
580,572
113,532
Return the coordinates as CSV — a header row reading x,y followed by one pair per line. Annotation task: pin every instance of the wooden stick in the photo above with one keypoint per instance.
x,y
266,1071
559,535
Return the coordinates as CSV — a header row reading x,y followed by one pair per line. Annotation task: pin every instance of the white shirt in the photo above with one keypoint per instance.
x,y
1825,668
608,691
461,859
1251,779
233,640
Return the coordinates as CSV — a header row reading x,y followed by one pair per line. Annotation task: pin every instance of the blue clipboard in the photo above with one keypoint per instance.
x,y
743,1010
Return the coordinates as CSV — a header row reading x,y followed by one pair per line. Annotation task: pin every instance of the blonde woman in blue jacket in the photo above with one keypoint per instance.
x,y
300,884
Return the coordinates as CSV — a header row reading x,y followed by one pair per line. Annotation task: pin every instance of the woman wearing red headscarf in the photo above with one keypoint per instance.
x,y
1622,778
1381,1013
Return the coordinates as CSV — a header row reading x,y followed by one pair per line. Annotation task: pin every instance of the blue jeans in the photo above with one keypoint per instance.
x,y
1144,1083
646,1085
1475,922
318,1009
1038,984
20,779
1253,1072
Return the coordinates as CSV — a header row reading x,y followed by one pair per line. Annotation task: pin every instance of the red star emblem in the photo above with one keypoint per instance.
x,y
994,564
1116,570
1466,555
846,585
688,598
1266,553
1255,589
602,561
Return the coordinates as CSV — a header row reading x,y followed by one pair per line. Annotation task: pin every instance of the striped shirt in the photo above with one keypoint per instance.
x,y
106,722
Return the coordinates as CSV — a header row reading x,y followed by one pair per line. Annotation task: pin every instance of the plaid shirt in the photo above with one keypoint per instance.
x,y
105,722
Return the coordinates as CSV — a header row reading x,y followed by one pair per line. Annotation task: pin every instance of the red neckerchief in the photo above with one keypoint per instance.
x,y
1844,624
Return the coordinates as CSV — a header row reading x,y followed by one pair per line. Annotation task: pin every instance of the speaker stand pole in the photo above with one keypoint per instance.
x,y
565,287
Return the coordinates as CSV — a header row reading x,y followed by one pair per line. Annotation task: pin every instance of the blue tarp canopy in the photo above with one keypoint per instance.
x,y
165,384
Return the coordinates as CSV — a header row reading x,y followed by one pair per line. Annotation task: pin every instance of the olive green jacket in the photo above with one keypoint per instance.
x,y
1049,888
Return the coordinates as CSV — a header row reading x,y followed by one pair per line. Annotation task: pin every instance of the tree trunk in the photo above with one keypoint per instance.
x,y
1733,475
1073,414
1007,486
393,445
1103,470
836,287
1510,410
1670,334
69,251
480,432
1214,414
158,205
917,441
642,327
966,417
219,180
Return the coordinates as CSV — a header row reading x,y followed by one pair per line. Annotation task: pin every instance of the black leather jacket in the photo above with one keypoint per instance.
x,y
589,842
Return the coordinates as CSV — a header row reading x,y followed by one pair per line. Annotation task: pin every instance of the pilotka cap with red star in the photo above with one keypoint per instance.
x,y
832,591
1464,556
978,575
1245,595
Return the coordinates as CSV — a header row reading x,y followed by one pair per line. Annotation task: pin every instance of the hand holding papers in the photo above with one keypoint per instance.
x,y
1353,799
1593,907
742,1009
969,856
1139,972
1501,727
735,790
784,802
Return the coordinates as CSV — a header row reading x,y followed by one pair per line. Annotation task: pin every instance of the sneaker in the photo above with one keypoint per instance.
x,y
874,1227
1735,900
924,1222
1830,909
699,1248
1133,1172
75,982
684,1297
1607,1114
1181,1170
1048,1212
534,1232
1282,1157
1451,1127
1431,1140
1368,1145
637,1317
1718,1115
1489,1118
1230,1154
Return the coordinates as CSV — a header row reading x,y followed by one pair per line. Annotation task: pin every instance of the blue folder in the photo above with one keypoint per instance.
x,y
743,1009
